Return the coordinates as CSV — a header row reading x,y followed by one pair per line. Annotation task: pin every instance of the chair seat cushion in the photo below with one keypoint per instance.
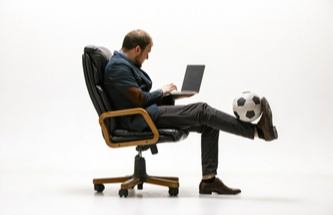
x,y
166,135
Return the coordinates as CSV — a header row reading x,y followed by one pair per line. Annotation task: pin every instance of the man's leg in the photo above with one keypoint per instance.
x,y
201,118
209,150
186,117
201,114
211,120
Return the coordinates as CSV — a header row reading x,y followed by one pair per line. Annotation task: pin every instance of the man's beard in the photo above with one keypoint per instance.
x,y
137,62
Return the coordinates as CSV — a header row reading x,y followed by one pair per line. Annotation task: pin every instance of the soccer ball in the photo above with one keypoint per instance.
x,y
247,106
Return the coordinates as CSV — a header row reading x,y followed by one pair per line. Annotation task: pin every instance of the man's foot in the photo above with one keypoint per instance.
x,y
216,186
265,128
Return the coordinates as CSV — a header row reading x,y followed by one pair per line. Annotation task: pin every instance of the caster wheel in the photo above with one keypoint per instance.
x,y
123,192
99,188
140,186
173,191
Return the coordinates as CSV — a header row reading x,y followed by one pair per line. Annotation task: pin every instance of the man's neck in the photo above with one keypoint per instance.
x,y
123,53
127,55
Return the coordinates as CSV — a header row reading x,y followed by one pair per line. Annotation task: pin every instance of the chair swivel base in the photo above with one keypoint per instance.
x,y
137,179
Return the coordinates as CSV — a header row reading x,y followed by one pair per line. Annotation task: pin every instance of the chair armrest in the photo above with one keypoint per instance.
x,y
126,112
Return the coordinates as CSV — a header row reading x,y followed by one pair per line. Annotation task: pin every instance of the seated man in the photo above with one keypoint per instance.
x,y
129,86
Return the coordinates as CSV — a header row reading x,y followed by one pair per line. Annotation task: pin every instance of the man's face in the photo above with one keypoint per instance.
x,y
142,55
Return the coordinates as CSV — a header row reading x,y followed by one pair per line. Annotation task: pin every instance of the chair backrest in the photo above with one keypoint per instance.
x,y
94,60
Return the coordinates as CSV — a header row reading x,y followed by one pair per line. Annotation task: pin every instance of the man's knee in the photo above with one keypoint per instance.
x,y
201,110
202,105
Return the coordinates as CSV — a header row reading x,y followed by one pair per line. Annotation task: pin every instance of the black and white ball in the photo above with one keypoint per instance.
x,y
247,106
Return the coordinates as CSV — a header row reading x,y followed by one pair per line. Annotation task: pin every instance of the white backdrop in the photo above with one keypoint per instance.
x,y
282,50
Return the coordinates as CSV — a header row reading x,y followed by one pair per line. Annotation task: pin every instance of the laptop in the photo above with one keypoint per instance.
x,y
192,81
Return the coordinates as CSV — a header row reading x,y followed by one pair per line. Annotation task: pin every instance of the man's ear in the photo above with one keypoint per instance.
x,y
138,49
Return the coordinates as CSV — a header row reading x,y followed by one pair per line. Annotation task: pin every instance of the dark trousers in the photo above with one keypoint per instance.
x,y
200,117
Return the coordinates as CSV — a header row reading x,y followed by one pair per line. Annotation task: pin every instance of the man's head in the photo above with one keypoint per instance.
x,y
137,45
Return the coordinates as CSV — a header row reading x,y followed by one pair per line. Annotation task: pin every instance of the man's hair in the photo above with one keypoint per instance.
x,y
136,38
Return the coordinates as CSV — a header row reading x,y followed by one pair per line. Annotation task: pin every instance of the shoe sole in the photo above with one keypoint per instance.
x,y
268,113
205,193
275,133
210,193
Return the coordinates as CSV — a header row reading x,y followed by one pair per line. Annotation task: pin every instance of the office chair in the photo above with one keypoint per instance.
x,y
94,60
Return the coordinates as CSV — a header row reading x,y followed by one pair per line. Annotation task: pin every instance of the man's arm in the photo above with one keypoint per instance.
x,y
142,98
122,79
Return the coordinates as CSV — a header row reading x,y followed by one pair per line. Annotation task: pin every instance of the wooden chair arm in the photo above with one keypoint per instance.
x,y
126,112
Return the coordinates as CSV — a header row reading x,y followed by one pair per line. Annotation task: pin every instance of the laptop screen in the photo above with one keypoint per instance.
x,y
193,77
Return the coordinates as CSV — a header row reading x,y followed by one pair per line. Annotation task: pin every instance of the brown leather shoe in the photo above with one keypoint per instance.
x,y
216,186
266,129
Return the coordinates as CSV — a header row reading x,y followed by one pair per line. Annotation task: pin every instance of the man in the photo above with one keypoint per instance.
x,y
129,86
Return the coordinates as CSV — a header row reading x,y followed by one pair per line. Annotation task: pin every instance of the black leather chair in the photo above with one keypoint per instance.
x,y
94,60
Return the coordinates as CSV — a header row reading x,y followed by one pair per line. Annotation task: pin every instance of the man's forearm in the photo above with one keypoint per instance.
x,y
142,98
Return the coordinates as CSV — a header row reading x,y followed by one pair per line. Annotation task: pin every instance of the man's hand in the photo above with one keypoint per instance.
x,y
167,89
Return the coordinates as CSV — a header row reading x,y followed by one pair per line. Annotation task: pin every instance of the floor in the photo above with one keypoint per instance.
x,y
43,176
61,191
